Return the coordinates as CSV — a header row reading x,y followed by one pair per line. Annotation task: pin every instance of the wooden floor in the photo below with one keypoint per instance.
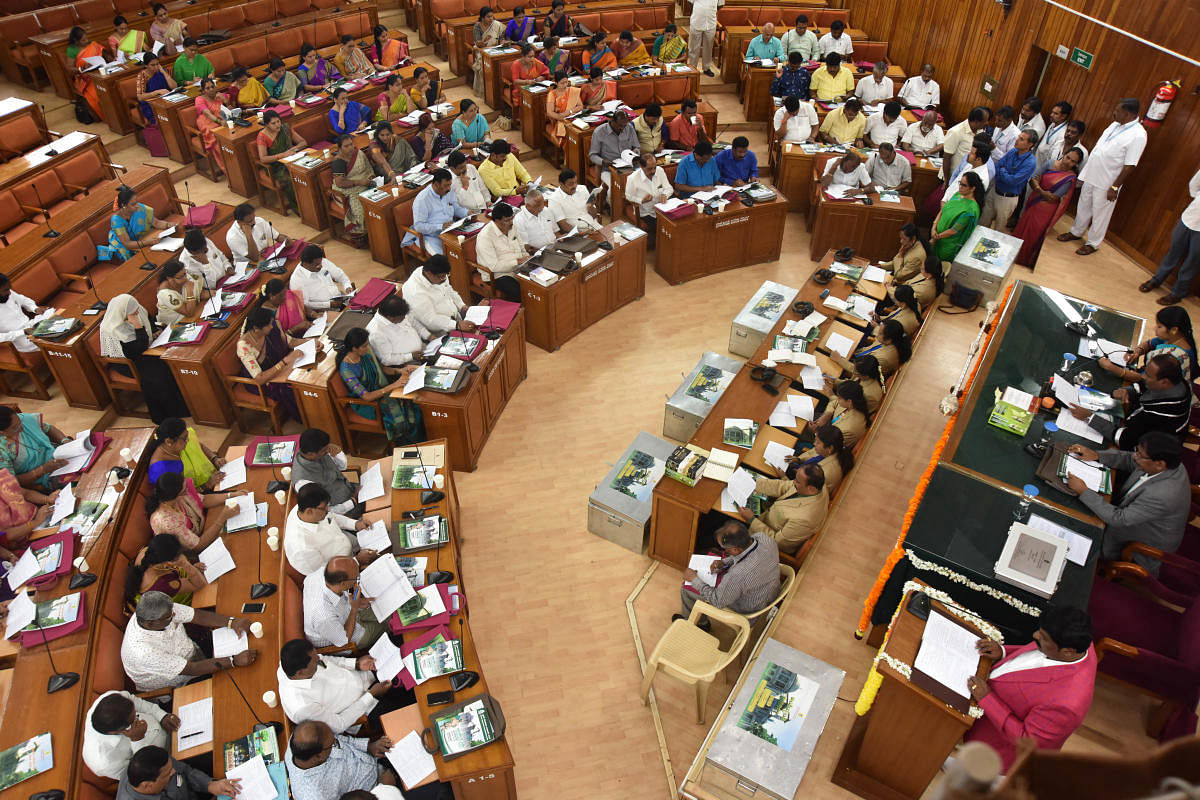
x,y
547,597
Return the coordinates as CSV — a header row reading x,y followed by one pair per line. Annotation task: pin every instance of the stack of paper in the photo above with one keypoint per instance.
x,y
371,484
721,464
387,586
232,474
195,724
254,780
21,612
1067,422
703,567
411,760
802,406
76,453
776,455
782,416
246,515
797,327
1078,545
64,506
741,486
812,378
1092,474
227,643
670,205
375,537
947,653
26,567
837,343
216,560
168,245
388,661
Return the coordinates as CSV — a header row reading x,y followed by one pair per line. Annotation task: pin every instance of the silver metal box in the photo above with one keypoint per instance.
x,y
695,397
619,507
984,261
755,320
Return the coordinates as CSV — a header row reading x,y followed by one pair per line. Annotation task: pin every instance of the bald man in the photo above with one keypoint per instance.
x,y
336,612
766,47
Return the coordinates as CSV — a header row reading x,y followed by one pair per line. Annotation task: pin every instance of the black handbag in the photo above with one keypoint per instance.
x,y
962,298
83,112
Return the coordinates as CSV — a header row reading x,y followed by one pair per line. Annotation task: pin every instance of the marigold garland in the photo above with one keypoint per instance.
x,y
897,552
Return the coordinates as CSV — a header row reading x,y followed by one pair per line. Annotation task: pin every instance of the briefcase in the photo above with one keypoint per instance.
x,y
578,244
680,212
553,260
347,321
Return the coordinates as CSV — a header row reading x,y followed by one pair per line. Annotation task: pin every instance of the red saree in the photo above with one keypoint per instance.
x,y
1040,215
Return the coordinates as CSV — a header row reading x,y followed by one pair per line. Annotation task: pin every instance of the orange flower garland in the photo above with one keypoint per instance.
x,y
914,503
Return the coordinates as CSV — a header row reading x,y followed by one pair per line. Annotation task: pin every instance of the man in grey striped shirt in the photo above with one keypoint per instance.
x,y
749,573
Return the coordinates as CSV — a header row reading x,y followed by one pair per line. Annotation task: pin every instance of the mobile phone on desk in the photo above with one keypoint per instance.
x,y
253,608
440,698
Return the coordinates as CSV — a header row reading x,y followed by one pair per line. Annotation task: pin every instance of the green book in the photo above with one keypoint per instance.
x,y
740,432
438,657
408,477
260,743
469,728
1014,411
425,604
272,453
686,464
31,757
54,326
423,532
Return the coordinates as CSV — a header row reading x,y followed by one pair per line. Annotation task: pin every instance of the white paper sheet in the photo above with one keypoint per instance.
x,y
947,653
308,348
874,274
167,245
782,416
195,724
387,586
1092,476
316,329
812,378
1103,347
227,643
64,506
477,314
216,559
246,516
388,661
775,455
703,566
802,406
1078,545
416,381
815,318
76,453
1064,390
410,760
232,474
255,780
371,484
797,327
25,568
375,537
21,612
1068,423
839,344
212,306
741,486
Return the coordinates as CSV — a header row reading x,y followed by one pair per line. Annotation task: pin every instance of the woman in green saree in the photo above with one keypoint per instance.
x,y
276,141
365,377
958,217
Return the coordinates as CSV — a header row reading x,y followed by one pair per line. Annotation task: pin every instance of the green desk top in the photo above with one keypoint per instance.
x,y
1026,349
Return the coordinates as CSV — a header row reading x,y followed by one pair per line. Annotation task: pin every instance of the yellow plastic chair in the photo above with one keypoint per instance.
x,y
689,654
757,620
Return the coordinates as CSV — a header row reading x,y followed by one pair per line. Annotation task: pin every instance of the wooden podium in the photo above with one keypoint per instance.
x,y
898,746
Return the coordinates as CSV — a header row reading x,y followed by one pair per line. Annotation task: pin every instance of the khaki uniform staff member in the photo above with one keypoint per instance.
x,y
798,511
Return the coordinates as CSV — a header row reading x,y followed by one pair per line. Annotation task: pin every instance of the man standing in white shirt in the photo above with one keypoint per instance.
x,y
500,249
250,234
885,125
795,121
16,310
319,280
434,303
647,186
921,91
313,534
118,725
702,31
469,189
925,138
1116,153
1004,136
331,689
959,139
571,205
535,222
836,41
1060,116
877,87
396,337
1030,116
336,611
1183,253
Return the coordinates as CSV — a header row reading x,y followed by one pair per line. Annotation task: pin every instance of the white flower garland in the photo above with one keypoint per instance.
x,y
951,575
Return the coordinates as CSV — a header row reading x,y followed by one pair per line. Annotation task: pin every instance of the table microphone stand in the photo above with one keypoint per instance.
x,y
260,589
58,680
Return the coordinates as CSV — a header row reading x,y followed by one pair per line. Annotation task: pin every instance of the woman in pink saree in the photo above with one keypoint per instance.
x,y
1051,190
19,514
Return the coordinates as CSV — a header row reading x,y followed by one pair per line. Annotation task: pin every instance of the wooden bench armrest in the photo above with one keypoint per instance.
x,y
1106,645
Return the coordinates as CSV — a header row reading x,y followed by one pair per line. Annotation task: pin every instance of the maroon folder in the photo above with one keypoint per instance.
x,y
67,538
35,637
371,295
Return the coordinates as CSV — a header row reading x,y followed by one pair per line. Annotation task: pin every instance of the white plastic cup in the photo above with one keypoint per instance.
x,y
229,124
395,191
439,481
273,543
256,629
281,497
272,532
260,117
80,564
286,472
269,699
126,455
292,103
325,153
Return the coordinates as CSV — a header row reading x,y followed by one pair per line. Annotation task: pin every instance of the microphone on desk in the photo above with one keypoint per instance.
x,y
429,495
147,264
438,575
259,724
261,589
58,680
50,232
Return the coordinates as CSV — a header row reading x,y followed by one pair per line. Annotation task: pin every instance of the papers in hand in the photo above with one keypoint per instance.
x,y
782,416
21,612
371,484
388,661
254,780
947,653
1067,422
776,454
26,567
316,329
246,516
387,586
1078,545
227,643
1095,348
76,453
670,205
478,314
375,537
703,567
812,378
416,381
410,760
839,344
232,474
840,191
874,274
741,486
64,506
216,560
802,406
308,353
168,245
195,724
1091,475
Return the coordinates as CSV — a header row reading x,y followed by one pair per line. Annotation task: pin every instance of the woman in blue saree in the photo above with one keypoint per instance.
x,y
130,225
152,81
365,377
27,448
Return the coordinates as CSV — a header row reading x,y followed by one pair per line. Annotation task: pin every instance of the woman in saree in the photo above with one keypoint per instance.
x,y
1050,193
470,129
670,47
352,62
276,141
393,100
129,226
191,65
22,511
554,57
125,39
291,315
596,91
352,175
79,49
520,27
347,115
175,507
314,72
153,81
1173,336
27,448
365,377
248,91
168,30
177,448
630,52
557,22
390,155
486,32
208,120
598,54
524,71
280,84
561,101
957,218
388,50
125,333
430,142
426,91
178,294
267,355
161,566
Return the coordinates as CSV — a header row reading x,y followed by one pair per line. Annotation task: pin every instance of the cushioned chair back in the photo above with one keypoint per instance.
x,y
108,674
870,51
147,295
98,230
616,21
21,134
94,10
292,605
114,598
671,90
49,190
19,28
222,59
288,8
39,282
284,44
732,17
403,212
85,169
325,33
156,197
1189,639
636,95
259,11
322,4
645,19
75,255
824,17
590,21
251,54
226,19
187,115
10,212
358,26
125,6
59,18
198,24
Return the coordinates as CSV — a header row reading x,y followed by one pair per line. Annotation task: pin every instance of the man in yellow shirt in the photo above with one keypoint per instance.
x,y
845,125
502,172
833,82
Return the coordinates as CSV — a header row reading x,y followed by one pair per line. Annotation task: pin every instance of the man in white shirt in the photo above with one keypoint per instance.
x,y
1004,134
848,171
836,41
313,534
921,91
157,653
16,310
201,257
925,138
1184,251
977,161
500,249
336,611
434,303
702,31
889,170
1030,116
319,280
885,125
396,336
959,138
118,725
534,222
1060,116
469,189
250,234
877,87
1113,157
571,206
647,186
330,689
795,121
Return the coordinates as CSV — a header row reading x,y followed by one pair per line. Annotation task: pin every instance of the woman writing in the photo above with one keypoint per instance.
x,y
365,378
267,356
79,49
178,294
125,333
177,448
352,175
426,92
926,286
27,448
524,71
1050,191
347,115
175,507
390,154
166,29
153,81
830,453
161,566
275,142
1172,335
958,217
191,65
314,72
280,84
393,100
291,316
388,51
430,142
125,39
352,62
561,102
208,119
129,226
470,128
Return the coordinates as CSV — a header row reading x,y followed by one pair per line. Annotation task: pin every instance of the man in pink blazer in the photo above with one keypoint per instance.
x,y
1040,690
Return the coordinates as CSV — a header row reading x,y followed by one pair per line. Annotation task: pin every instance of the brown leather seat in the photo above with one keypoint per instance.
x,y
636,95
75,256
226,19
358,26
79,174
94,10
57,18
252,53
42,191
285,44
288,8
616,21
41,284
242,392
732,17
20,135
259,11
324,33
824,17
14,221
671,90
870,51
165,207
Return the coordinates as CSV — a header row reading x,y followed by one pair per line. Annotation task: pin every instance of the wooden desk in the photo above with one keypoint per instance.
x,y
556,313
51,155
736,38
579,142
871,230
736,237
792,175
755,89
11,108
382,235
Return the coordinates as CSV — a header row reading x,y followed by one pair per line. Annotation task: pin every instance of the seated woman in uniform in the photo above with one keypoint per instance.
x,y
926,284
161,566
829,452
865,371
907,262
175,507
177,448
905,310
892,347
847,411
125,333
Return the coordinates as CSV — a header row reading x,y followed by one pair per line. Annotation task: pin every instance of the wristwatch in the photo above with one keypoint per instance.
x,y
229,623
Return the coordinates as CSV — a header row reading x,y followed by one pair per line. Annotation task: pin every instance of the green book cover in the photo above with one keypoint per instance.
x,y
439,657
270,453
410,477
262,743
53,613
29,758
740,432
1012,411
426,603
468,728
53,326
423,532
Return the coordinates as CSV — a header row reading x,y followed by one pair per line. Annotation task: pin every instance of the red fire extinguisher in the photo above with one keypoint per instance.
x,y
1161,103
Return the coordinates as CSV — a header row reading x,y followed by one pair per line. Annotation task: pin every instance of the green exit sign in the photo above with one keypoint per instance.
x,y
1081,57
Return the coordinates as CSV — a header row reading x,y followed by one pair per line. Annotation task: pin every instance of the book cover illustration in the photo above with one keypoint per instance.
x,y
274,452
686,464
708,383
469,728
638,476
439,378
439,657
49,558
777,708
1014,411
410,477
85,516
413,568
52,613
53,326
987,250
260,743
186,334
769,306
456,346
848,271
793,344
426,603
740,432
29,758
424,532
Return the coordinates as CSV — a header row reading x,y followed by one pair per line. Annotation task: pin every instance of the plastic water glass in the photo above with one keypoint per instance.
x,y
1048,431
1068,362
1021,512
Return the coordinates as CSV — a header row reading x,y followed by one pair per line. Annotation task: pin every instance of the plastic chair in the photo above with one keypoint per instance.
x,y
690,655
758,620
